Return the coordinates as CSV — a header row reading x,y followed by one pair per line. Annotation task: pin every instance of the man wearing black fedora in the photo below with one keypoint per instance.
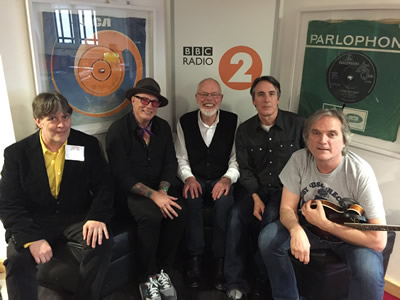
x,y
142,158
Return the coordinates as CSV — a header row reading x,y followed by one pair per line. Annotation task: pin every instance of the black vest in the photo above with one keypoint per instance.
x,y
209,162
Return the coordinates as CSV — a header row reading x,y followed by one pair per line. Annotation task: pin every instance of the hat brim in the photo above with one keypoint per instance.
x,y
133,91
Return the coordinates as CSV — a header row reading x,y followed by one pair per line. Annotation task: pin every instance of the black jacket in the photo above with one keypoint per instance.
x,y
29,211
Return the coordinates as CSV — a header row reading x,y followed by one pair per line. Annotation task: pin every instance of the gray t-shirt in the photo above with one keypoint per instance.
x,y
353,178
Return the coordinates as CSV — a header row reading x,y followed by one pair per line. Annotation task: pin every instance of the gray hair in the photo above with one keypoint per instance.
x,y
206,79
338,114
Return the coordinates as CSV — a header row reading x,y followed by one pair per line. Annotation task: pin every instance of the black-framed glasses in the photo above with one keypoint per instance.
x,y
146,101
206,95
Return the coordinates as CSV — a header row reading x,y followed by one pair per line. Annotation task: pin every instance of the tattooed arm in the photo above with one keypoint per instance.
x,y
164,186
163,201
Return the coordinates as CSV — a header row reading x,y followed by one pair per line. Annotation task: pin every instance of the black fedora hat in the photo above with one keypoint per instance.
x,y
147,86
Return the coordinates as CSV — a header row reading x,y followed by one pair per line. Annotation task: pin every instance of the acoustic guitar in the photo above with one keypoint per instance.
x,y
352,216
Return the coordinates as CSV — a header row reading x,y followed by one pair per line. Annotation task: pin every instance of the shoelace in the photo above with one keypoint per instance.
x,y
163,280
152,286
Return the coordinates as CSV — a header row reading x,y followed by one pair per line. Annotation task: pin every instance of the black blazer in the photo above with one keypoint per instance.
x,y
28,210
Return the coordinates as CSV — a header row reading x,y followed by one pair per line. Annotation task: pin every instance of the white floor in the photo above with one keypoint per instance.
x,y
3,286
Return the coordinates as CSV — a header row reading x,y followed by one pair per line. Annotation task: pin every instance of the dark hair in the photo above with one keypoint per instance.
x,y
45,104
271,80
338,114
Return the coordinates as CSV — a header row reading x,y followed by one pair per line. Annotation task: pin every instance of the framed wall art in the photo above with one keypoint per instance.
x,y
91,53
345,58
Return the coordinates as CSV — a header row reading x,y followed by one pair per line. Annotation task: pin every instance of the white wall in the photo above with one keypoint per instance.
x,y
387,168
17,63
7,137
224,26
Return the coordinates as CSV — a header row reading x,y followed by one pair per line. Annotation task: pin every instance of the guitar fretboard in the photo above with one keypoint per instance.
x,y
373,227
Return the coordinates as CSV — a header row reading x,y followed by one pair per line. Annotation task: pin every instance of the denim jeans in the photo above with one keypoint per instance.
x,y
365,265
241,243
194,228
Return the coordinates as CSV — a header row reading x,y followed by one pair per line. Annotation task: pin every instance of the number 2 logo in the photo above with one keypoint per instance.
x,y
239,66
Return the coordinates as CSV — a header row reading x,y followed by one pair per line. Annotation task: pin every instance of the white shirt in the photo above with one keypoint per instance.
x,y
207,133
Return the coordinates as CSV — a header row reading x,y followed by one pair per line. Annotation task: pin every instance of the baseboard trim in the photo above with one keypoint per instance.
x,y
392,288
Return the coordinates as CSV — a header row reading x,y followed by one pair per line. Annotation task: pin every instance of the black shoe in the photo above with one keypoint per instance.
x,y
261,291
219,279
193,271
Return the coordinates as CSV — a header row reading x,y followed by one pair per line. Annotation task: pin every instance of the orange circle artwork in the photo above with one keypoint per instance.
x,y
239,66
100,69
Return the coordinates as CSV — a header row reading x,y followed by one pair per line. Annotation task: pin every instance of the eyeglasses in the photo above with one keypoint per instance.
x,y
146,101
206,95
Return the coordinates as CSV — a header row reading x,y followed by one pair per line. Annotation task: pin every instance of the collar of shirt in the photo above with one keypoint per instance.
x,y
141,129
278,122
54,163
44,148
206,131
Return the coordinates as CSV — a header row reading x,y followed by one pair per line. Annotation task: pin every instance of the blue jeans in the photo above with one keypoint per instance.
x,y
194,229
241,243
365,265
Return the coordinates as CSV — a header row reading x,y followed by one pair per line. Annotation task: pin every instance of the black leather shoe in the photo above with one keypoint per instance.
x,y
193,271
219,279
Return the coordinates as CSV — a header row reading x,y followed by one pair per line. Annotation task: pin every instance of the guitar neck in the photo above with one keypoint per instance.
x,y
373,227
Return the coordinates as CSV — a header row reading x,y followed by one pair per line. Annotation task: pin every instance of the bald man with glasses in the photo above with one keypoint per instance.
x,y
207,166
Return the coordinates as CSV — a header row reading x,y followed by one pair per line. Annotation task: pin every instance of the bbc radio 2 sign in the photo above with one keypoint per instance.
x,y
198,56
238,66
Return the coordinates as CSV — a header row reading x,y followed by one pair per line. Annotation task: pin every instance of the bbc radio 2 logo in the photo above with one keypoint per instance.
x,y
198,56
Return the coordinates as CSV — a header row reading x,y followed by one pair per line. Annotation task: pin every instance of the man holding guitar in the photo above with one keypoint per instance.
x,y
326,171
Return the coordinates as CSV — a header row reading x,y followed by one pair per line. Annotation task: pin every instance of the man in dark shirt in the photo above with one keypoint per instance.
x,y
142,158
264,143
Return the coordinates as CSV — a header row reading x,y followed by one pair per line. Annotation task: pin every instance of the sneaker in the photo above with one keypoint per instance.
x,y
150,290
235,294
167,290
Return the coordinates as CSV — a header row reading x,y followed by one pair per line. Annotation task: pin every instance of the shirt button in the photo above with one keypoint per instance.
x,y
58,202
281,146
270,139
260,149
270,161
270,173
270,150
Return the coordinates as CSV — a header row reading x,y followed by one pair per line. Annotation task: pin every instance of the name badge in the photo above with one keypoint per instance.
x,y
74,152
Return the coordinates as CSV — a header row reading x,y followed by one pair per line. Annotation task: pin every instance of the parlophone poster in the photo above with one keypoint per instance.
x,y
92,60
352,64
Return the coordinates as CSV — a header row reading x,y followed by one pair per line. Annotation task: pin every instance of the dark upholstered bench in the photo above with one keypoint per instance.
x,y
326,276
61,272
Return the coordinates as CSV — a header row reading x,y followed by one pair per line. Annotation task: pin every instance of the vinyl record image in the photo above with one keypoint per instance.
x,y
97,73
93,65
351,77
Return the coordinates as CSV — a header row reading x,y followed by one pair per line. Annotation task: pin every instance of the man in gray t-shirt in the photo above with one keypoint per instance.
x,y
326,174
